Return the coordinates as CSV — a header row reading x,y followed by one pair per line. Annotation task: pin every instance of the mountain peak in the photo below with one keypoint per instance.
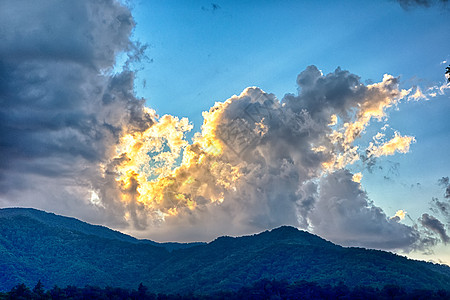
x,y
286,231
294,235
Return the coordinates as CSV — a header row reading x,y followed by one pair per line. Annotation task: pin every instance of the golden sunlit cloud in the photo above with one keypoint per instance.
x,y
245,143
418,95
400,214
357,177
163,172
380,97
398,143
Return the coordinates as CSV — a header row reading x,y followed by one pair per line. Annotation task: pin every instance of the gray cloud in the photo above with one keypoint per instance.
x,y
61,108
445,183
89,33
436,226
442,207
344,213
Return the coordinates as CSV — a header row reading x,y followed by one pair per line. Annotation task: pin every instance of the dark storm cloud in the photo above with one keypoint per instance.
x,y
87,32
61,108
436,226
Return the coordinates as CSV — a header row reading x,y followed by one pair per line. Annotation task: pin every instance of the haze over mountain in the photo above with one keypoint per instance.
x,y
35,245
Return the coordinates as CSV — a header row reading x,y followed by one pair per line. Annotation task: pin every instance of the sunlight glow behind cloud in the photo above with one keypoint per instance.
x,y
254,141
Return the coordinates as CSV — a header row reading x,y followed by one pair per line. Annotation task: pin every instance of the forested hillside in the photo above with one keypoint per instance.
x,y
64,251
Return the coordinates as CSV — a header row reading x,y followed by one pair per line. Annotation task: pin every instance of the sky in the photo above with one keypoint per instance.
x,y
185,121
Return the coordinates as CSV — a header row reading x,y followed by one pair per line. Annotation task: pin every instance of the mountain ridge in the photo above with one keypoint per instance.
x,y
33,248
53,219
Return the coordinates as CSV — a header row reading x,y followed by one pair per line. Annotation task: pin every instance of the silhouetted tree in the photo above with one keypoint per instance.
x,y
71,291
341,290
261,289
142,293
20,291
448,73
443,294
38,290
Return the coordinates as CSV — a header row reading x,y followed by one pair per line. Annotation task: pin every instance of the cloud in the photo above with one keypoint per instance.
x,y
62,109
399,215
344,214
260,162
397,144
357,177
445,183
442,207
436,226
439,89
418,95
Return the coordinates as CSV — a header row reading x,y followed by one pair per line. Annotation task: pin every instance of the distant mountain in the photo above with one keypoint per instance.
x,y
65,251
72,224
65,223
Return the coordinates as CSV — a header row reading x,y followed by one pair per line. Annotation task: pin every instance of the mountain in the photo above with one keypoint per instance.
x,y
64,223
35,245
72,224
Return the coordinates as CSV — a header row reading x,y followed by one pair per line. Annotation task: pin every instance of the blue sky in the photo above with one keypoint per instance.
x,y
203,55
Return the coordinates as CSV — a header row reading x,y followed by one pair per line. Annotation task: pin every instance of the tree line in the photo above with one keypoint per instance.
x,y
262,289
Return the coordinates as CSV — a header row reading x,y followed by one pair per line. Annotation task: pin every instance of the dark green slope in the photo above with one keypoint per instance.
x,y
64,251
67,223
31,250
286,253
72,224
